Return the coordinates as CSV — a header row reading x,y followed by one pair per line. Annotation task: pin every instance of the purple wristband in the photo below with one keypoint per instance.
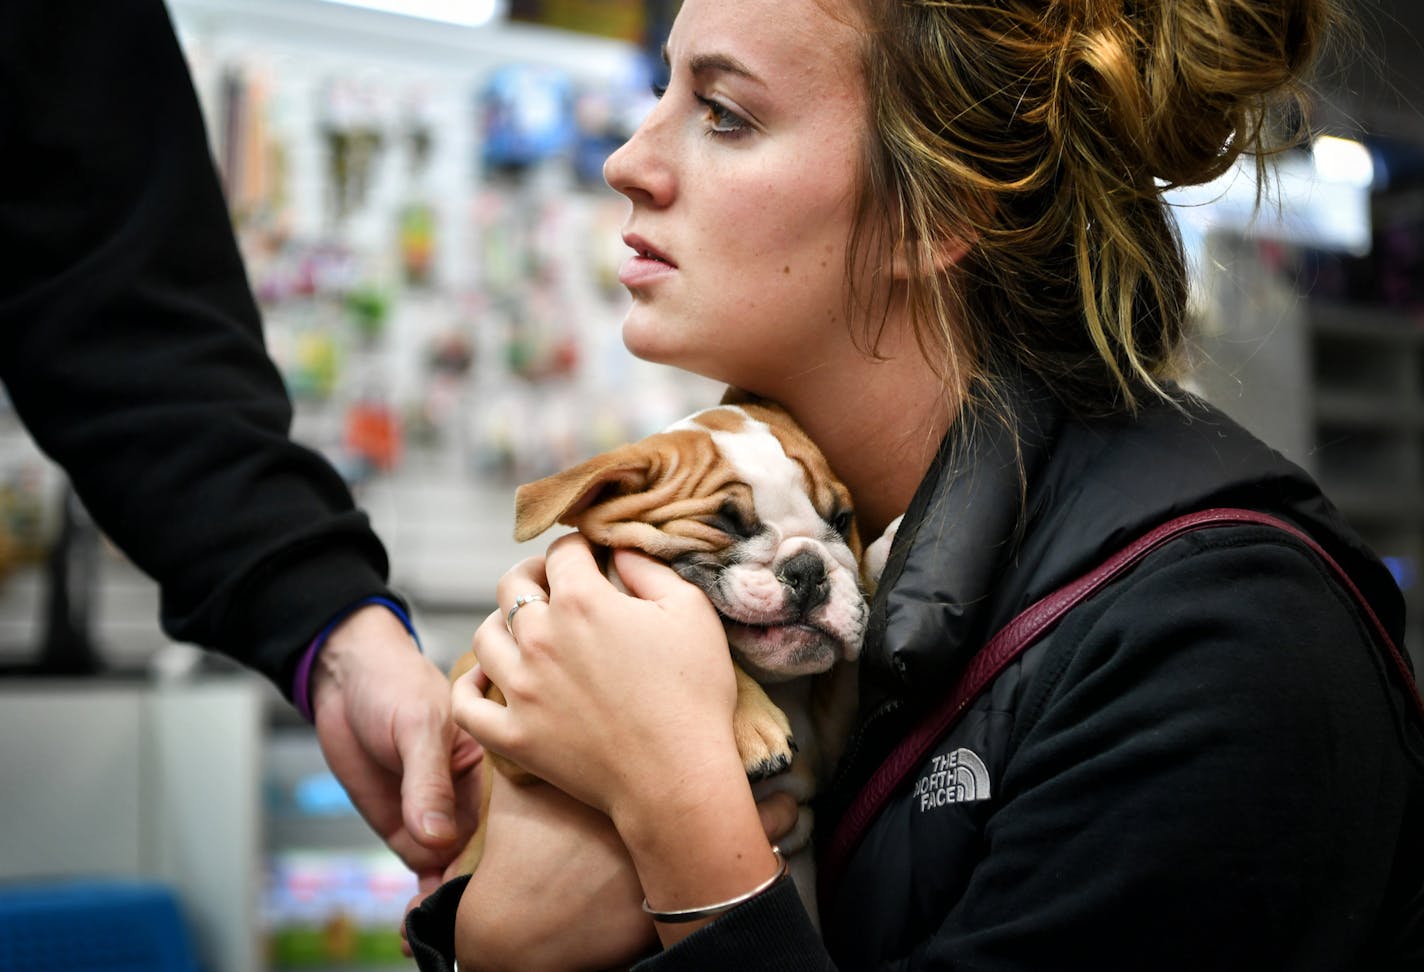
x,y
301,683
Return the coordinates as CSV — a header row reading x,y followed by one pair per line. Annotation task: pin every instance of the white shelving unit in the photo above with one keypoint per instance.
x,y
141,780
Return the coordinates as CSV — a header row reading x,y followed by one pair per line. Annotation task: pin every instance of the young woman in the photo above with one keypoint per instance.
x,y
934,232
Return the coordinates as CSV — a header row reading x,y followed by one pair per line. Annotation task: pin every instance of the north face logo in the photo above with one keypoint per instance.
x,y
960,777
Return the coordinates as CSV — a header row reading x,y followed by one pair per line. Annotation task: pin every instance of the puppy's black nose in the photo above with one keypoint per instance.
x,y
804,576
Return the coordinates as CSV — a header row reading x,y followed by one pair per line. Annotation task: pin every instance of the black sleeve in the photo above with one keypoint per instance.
x,y
430,927
770,933
133,349
1210,776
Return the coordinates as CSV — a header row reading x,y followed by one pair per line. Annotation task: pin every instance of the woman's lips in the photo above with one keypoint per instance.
x,y
645,265
640,270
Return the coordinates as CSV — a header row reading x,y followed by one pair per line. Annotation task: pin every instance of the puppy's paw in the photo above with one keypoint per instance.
x,y
764,740
761,729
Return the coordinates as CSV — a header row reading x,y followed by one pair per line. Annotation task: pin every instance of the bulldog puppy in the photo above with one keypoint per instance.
x,y
739,502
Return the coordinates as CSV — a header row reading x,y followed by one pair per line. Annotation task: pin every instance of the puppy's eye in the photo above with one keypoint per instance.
x,y
730,520
841,521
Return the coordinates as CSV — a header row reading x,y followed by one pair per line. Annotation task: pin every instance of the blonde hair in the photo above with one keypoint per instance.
x,y
1043,132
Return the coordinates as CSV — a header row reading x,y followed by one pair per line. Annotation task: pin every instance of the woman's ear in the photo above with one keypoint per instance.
x,y
940,255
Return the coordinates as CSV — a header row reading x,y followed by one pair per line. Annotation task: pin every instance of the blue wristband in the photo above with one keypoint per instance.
x,y
301,683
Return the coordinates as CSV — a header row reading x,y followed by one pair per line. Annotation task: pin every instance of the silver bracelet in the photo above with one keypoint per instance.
x,y
711,911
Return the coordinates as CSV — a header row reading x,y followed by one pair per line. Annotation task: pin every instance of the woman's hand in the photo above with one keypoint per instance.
x,y
625,702
555,890
611,697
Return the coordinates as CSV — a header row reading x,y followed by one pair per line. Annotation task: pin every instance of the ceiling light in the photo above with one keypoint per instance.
x,y
1343,160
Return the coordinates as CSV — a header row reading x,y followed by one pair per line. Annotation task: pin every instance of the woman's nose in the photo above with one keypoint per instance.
x,y
641,167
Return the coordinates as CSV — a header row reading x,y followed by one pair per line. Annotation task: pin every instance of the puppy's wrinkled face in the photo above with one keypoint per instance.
x,y
740,503
786,582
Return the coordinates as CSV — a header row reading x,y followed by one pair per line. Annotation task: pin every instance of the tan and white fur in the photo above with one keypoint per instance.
x,y
739,502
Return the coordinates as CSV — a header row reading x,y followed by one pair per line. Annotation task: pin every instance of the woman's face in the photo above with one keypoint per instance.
x,y
742,182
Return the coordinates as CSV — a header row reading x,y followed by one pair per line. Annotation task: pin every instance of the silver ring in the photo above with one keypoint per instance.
x,y
519,602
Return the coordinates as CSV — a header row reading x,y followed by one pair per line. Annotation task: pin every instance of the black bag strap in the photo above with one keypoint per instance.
x,y
1023,631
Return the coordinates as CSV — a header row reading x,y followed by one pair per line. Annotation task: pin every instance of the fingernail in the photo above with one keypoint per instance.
x,y
438,825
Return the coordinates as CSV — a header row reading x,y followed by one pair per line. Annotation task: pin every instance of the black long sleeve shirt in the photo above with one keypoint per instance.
x,y
132,348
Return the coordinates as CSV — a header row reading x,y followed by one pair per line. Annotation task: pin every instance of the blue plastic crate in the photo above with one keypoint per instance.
x,y
98,925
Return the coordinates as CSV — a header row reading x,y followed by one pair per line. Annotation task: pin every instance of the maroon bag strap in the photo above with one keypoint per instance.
x,y
1022,632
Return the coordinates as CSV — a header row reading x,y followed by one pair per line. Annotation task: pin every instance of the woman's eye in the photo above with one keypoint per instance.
x,y
723,120
659,90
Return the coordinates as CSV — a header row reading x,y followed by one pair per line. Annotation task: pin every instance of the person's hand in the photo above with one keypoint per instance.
x,y
383,720
625,702
556,888
607,694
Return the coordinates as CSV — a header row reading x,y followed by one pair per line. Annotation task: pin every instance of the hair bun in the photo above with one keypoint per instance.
x,y
1176,90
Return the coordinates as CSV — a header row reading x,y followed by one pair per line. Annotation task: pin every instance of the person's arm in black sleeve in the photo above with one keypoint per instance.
x,y
1210,779
133,348
133,352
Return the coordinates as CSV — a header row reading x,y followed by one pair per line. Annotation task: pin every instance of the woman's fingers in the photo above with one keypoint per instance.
x,y
525,585
529,572
497,652
650,579
570,564
567,668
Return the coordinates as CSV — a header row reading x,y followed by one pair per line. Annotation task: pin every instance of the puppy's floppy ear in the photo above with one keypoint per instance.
x,y
560,497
